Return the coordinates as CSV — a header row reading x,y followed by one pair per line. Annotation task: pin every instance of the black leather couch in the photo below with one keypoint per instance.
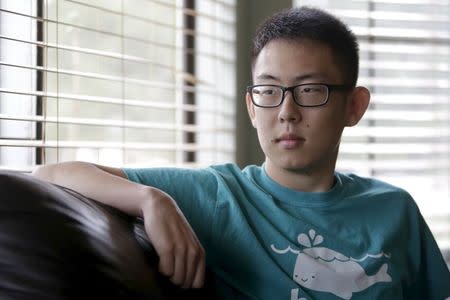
x,y
58,244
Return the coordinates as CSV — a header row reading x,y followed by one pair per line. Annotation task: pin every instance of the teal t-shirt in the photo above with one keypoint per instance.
x,y
363,239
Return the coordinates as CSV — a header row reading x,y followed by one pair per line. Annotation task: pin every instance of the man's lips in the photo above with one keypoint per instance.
x,y
288,137
289,141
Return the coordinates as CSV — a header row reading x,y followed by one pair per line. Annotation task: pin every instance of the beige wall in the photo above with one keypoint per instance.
x,y
250,13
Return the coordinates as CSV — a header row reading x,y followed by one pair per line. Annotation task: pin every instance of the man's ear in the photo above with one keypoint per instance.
x,y
357,105
250,109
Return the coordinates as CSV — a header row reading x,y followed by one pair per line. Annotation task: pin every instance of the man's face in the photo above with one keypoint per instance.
x,y
294,138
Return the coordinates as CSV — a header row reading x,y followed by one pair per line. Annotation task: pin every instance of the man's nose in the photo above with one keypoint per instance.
x,y
289,110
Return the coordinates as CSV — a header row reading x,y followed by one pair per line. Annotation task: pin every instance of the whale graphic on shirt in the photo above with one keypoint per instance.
x,y
325,270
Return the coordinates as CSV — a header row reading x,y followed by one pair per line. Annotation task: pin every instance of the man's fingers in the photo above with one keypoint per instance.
x,y
193,257
166,263
184,264
199,277
179,273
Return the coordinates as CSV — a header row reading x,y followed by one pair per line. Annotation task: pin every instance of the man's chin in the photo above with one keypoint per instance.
x,y
299,169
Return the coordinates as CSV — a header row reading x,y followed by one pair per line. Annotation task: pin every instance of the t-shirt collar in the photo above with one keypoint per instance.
x,y
299,198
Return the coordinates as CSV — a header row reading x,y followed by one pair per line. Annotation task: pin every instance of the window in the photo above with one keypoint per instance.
x,y
121,83
404,137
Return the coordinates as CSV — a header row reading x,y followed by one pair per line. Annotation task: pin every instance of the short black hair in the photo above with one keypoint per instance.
x,y
314,24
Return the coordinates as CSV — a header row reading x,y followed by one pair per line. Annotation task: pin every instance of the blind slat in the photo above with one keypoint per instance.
x,y
112,123
110,145
118,101
383,148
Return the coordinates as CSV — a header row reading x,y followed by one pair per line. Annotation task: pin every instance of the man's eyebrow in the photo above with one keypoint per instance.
x,y
267,76
303,77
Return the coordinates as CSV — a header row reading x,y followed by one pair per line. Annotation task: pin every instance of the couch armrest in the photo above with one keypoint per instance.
x,y
58,244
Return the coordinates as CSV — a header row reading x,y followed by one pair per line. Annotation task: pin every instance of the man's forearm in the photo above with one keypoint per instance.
x,y
95,183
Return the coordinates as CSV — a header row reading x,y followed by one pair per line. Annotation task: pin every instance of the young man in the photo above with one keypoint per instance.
x,y
292,228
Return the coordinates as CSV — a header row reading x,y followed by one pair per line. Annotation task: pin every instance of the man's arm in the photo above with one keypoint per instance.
x,y
181,255
104,184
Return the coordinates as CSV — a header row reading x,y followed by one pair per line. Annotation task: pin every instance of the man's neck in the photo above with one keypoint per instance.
x,y
305,180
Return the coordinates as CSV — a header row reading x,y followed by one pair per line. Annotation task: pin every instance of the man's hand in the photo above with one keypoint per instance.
x,y
181,256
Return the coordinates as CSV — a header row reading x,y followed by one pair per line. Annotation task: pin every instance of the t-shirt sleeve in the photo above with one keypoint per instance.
x,y
437,273
432,279
194,190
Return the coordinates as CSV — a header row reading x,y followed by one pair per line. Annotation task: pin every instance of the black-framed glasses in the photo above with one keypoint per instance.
x,y
306,95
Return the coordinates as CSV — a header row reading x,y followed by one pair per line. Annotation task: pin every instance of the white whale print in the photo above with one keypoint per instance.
x,y
323,269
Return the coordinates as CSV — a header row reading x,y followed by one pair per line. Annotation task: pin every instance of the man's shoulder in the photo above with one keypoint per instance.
x,y
371,186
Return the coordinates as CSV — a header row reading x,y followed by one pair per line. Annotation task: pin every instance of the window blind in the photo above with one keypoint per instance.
x,y
122,83
404,138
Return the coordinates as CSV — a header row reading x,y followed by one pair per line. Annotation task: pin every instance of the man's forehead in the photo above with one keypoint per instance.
x,y
294,61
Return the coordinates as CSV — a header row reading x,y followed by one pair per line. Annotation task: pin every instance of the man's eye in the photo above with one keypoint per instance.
x,y
264,92
268,92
